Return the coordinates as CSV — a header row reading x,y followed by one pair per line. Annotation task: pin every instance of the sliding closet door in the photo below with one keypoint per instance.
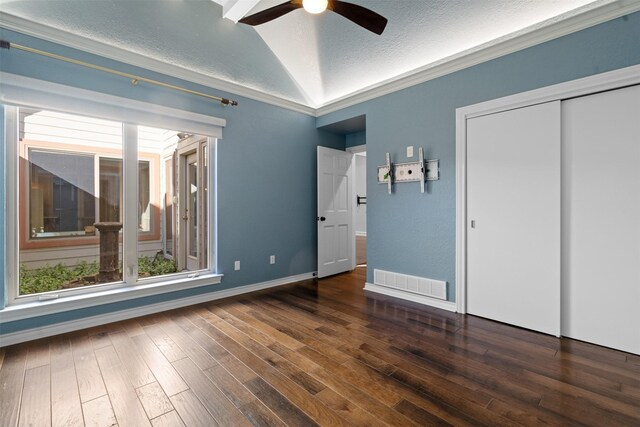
x,y
513,217
601,219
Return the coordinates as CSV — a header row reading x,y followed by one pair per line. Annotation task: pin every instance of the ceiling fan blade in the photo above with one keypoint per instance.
x,y
360,15
271,13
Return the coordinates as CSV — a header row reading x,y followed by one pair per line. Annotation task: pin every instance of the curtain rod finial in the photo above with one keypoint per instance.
x,y
225,101
5,44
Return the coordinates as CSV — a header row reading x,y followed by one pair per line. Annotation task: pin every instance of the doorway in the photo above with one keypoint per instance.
x,y
360,223
192,203
353,237
336,245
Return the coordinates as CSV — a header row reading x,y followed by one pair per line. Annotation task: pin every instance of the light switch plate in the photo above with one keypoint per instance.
x,y
236,265
410,151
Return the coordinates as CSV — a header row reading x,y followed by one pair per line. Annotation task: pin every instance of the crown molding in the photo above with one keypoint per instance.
x,y
528,37
35,29
553,28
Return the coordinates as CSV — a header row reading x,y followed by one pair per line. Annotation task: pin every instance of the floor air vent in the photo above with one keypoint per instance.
x,y
417,285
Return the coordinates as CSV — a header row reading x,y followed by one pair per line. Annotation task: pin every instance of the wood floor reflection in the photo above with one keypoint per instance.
x,y
319,352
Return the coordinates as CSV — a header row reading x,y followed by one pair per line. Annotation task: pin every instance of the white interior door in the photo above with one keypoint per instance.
x,y
336,238
513,217
601,214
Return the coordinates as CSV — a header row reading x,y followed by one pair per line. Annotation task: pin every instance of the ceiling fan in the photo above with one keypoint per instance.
x,y
360,15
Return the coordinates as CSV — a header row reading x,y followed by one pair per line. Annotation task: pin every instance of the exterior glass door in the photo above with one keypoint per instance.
x,y
191,213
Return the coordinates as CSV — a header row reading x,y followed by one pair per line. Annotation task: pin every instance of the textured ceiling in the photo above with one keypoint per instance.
x,y
308,59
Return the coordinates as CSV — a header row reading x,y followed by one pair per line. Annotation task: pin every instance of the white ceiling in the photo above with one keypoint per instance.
x,y
312,60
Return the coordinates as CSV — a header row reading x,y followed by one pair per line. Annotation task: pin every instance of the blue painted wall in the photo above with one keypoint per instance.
x,y
414,233
267,161
355,139
266,172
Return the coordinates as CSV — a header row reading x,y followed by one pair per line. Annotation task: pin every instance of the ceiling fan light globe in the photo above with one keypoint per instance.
x,y
315,6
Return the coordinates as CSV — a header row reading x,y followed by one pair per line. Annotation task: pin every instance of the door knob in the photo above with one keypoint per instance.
x,y
321,218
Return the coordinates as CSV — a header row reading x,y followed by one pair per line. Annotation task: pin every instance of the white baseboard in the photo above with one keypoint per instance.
x,y
410,296
88,322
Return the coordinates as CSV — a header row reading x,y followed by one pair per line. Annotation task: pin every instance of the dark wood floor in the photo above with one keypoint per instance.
x,y
361,250
315,353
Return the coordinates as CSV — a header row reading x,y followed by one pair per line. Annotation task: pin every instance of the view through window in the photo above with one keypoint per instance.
x,y
72,200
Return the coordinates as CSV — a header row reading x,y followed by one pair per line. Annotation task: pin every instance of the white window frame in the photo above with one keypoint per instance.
x,y
163,192
26,92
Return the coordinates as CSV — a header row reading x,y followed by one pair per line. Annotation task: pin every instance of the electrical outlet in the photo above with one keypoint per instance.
x,y
236,265
272,259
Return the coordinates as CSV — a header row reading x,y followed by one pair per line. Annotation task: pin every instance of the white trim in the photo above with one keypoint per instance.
x,y
75,41
130,208
11,194
585,86
361,233
537,34
597,83
143,289
235,10
553,28
357,149
212,203
26,91
351,174
461,212
409,296
87,322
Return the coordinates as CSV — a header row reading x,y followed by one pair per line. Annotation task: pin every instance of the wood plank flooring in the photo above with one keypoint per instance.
x,y
361,250
315,353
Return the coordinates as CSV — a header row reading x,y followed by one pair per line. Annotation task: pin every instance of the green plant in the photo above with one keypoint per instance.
x,y
156,266
48,278
45,279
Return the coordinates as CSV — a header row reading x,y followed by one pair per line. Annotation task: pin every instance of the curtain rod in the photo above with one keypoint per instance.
x,y
133,78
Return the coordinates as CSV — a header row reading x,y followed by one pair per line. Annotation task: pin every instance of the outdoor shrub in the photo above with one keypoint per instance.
x,y
156,266
46,279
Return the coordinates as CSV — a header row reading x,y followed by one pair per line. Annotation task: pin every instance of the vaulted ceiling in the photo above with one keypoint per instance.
x,y
310,60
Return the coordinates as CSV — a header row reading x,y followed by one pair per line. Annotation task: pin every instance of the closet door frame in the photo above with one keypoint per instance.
x,y
600,82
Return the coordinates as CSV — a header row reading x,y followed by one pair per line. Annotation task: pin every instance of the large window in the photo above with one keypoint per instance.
x,y
81,201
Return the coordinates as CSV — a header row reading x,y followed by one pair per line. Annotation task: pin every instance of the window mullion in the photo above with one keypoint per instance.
x,y
130,203
12,220
96,177
212,229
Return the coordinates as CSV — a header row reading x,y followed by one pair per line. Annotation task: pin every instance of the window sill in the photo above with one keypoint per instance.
x,y
125,293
